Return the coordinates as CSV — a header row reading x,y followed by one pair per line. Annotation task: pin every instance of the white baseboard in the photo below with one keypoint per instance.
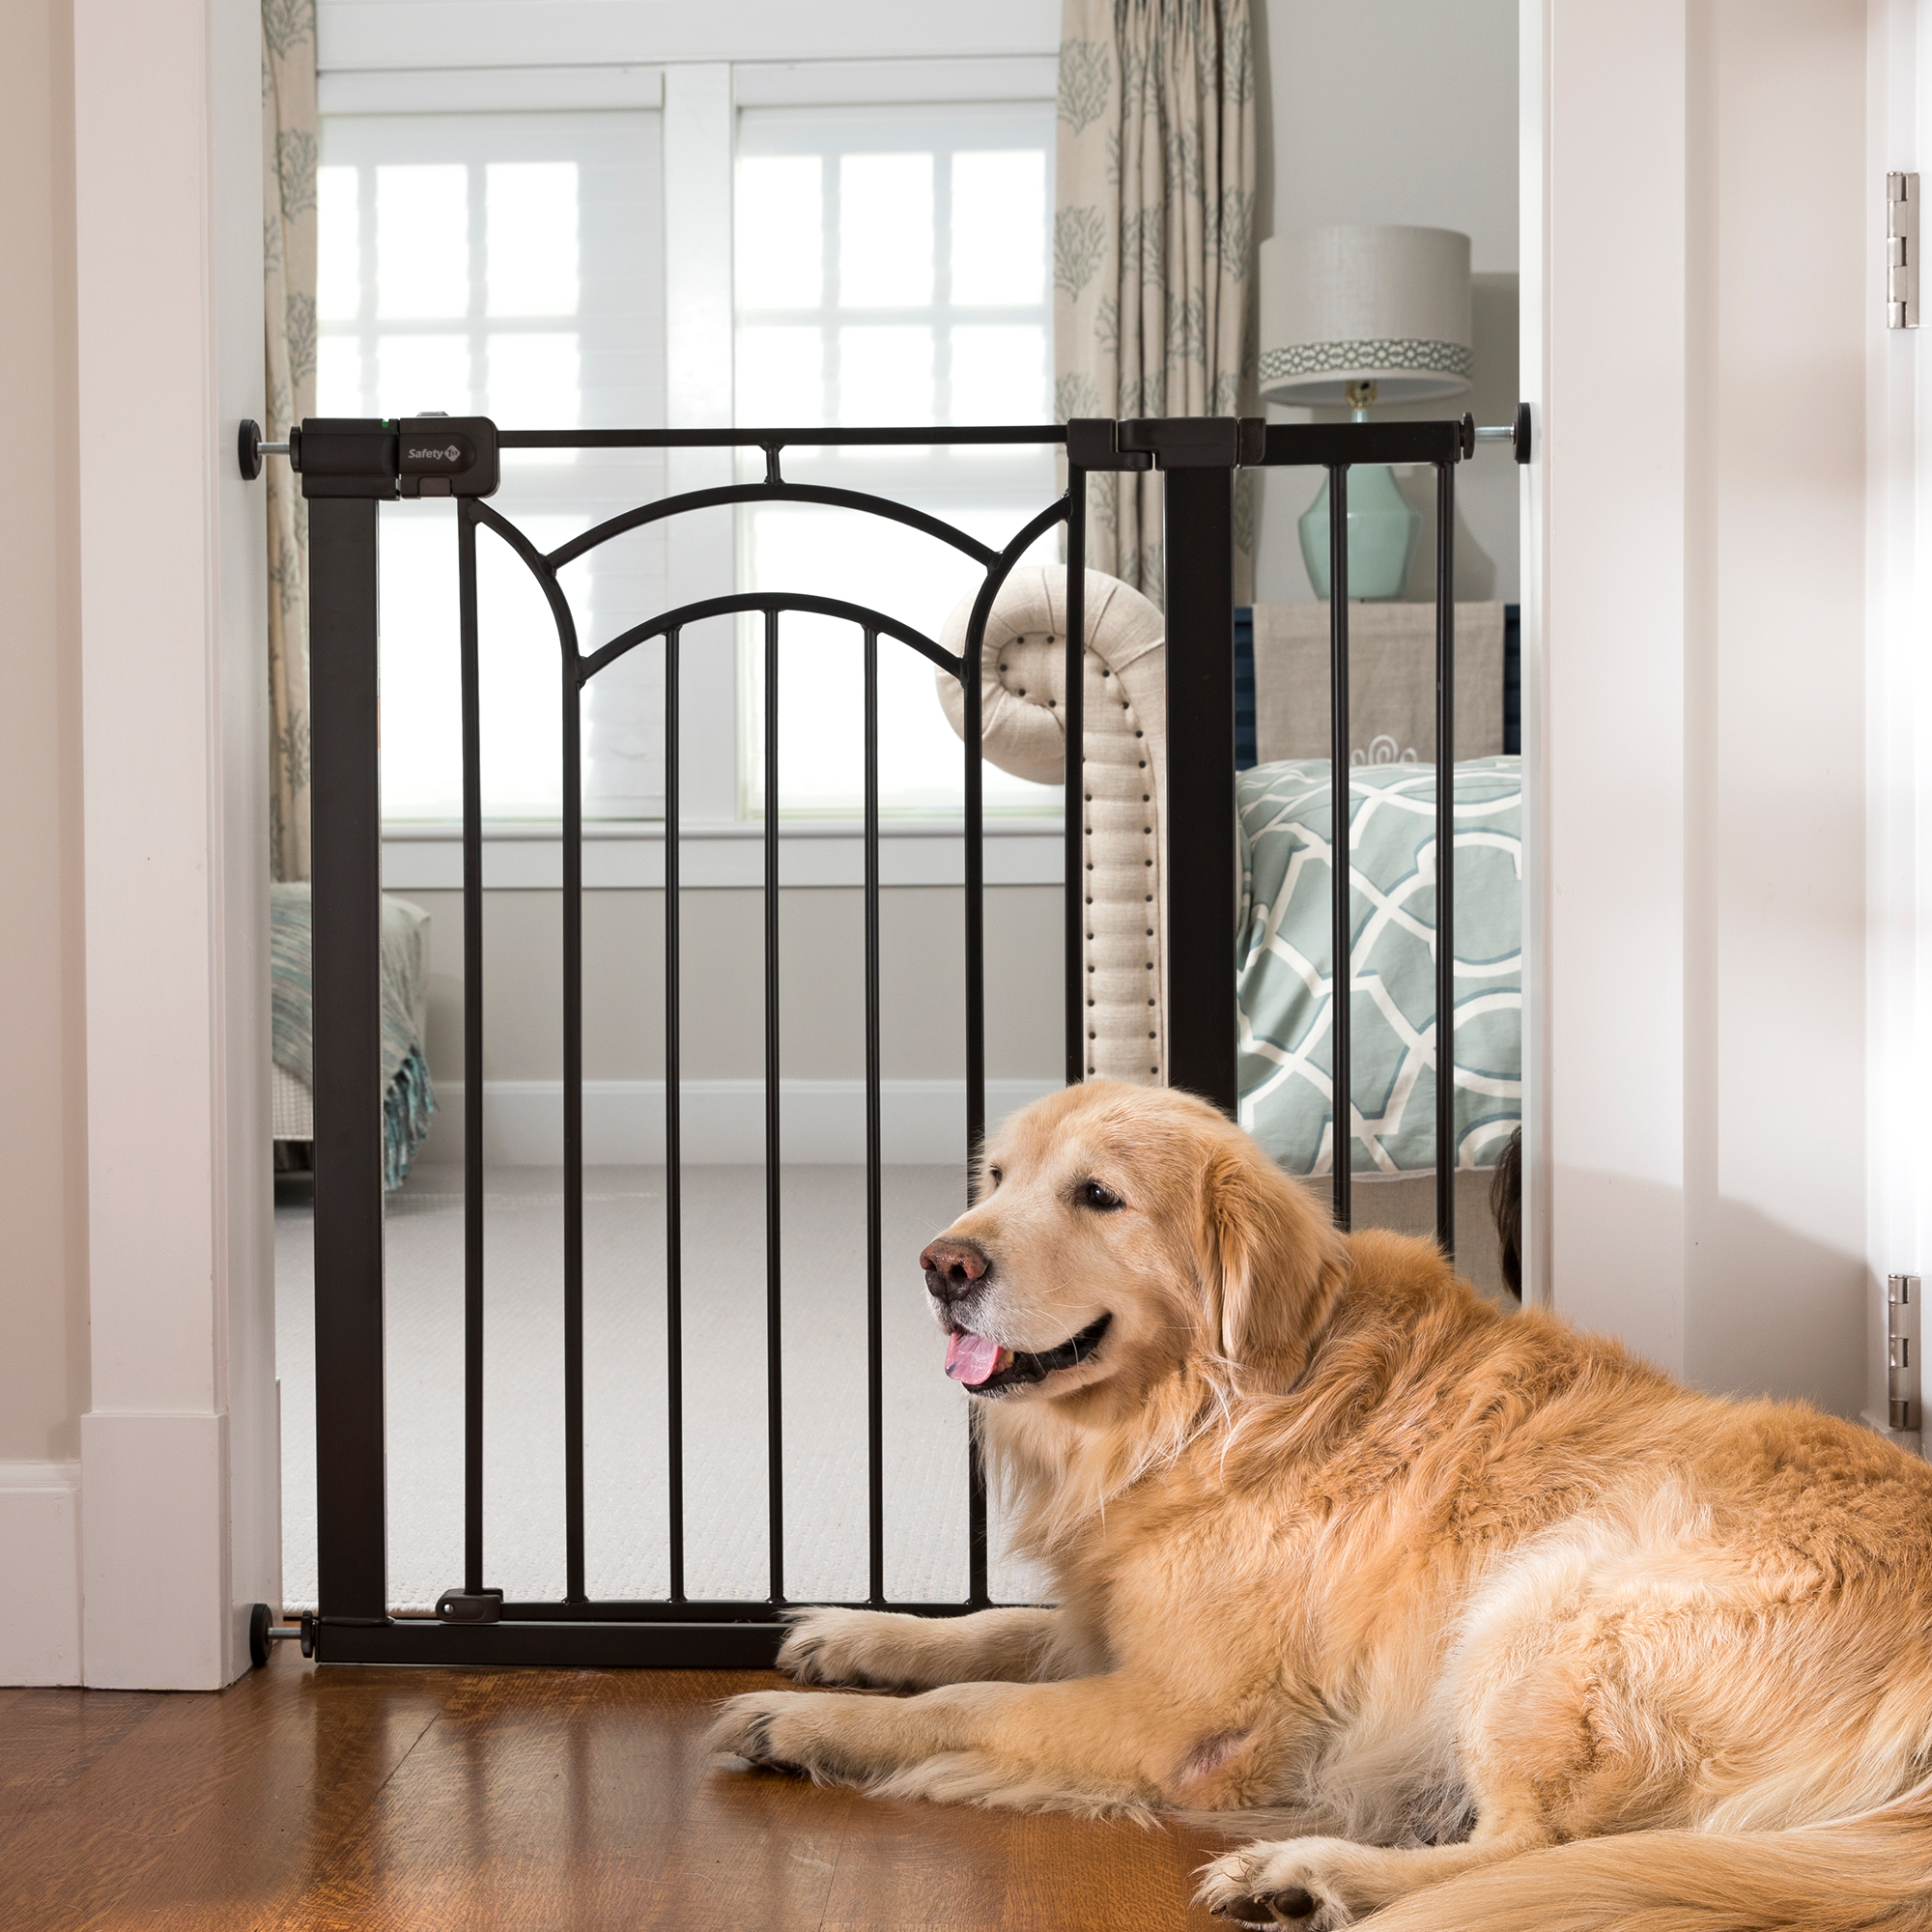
x,y
820,1121
40,1573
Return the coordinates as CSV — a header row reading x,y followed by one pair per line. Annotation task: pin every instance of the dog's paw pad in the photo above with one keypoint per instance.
x,y
1293,1908
1268,1885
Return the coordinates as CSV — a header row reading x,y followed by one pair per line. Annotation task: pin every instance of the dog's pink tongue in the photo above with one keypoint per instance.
x,y
970,1359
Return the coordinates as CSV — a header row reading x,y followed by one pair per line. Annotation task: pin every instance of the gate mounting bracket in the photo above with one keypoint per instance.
x,y
366,456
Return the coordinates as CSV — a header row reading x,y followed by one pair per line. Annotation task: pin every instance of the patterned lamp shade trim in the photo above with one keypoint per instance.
x,y
1304,359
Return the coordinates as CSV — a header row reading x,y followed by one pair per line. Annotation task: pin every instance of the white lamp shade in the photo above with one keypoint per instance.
x,y
1382,305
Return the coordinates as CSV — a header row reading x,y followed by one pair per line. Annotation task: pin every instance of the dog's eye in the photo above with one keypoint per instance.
x,y
1102,1200
994,1175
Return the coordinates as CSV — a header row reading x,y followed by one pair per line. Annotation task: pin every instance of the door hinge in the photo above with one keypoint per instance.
x,y
1901,1350
1901,252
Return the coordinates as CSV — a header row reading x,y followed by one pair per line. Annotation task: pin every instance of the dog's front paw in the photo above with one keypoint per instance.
x,y
791,1731
852,1647
745,1726
1270,1885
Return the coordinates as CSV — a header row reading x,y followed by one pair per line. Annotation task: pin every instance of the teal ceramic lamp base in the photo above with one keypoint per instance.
x,y
1382,530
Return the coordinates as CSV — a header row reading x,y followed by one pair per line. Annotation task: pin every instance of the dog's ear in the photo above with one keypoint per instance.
x,y
1271,1264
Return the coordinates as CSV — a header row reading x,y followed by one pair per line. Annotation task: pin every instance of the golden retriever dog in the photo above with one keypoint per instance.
x,y
1506,1627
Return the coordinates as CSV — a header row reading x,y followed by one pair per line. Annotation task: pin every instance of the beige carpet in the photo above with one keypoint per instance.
x,y
822,1216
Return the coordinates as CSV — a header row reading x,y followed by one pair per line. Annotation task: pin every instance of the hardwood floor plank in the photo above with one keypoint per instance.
x,y
578,1800
216,1807
949,1867
1080,1874
307,1800
52,1737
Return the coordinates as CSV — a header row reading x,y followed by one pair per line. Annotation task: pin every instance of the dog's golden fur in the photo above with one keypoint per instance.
x,y
1509,1630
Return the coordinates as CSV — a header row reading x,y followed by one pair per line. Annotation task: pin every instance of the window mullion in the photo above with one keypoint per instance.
x,y
365,328
479,352
942,285
831,401
700,143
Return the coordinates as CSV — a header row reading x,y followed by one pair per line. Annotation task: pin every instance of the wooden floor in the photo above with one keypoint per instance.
x,y
522,1799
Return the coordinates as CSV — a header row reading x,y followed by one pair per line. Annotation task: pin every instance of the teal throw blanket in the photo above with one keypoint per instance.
x,y
407,1100
1286,956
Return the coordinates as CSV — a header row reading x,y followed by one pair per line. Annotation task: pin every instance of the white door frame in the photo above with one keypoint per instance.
x,y
1699,688
1899,431
180,1490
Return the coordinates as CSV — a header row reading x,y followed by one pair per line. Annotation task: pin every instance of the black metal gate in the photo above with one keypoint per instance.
x,y
349,467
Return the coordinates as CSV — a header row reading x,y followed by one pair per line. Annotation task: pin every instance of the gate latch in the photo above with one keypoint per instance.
x,y
1165,442
446,456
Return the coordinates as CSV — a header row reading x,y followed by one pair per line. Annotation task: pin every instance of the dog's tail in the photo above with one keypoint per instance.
x,y
1868,1873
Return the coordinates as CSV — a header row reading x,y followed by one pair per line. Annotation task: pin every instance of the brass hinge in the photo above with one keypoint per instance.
x,y
1901,1350
1901,252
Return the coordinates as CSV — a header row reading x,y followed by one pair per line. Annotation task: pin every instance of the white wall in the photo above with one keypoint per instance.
x,y
458,33
922,1010
1695,700
822,966
44,1365
1403,111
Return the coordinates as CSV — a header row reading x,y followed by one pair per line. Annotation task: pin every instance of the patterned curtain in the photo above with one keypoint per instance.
x,y
288,129
1153,245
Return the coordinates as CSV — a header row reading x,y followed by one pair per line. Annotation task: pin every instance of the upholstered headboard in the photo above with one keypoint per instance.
x,y
1392,699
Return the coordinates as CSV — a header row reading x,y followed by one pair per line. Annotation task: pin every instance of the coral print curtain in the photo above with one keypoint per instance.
x,y
1154,244
288,249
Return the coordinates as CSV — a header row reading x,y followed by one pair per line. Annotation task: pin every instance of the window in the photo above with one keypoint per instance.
x,y
511,265
890,268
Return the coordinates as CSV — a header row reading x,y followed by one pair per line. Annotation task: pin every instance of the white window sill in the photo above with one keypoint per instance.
x,y
811,852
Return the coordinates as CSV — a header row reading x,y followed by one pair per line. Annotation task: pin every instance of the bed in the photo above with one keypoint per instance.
x,y
1285,807
407,1099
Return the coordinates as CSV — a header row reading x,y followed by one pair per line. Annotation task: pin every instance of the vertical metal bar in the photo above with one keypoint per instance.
x,y
1079,900
1340,929
673,1141
875,1426
972,683
774,1399
345,879
572,1129
1445,857
1203,884
473,1050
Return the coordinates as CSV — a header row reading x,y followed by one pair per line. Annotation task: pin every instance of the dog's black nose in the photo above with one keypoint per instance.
x,y
953,1270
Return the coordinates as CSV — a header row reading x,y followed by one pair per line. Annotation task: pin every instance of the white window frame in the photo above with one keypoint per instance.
x,y
503,71
954,484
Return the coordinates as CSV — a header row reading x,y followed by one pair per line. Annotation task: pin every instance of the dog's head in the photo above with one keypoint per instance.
x,y
1121,1234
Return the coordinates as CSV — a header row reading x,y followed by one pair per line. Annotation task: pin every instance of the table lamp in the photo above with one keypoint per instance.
x,y
1361,318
